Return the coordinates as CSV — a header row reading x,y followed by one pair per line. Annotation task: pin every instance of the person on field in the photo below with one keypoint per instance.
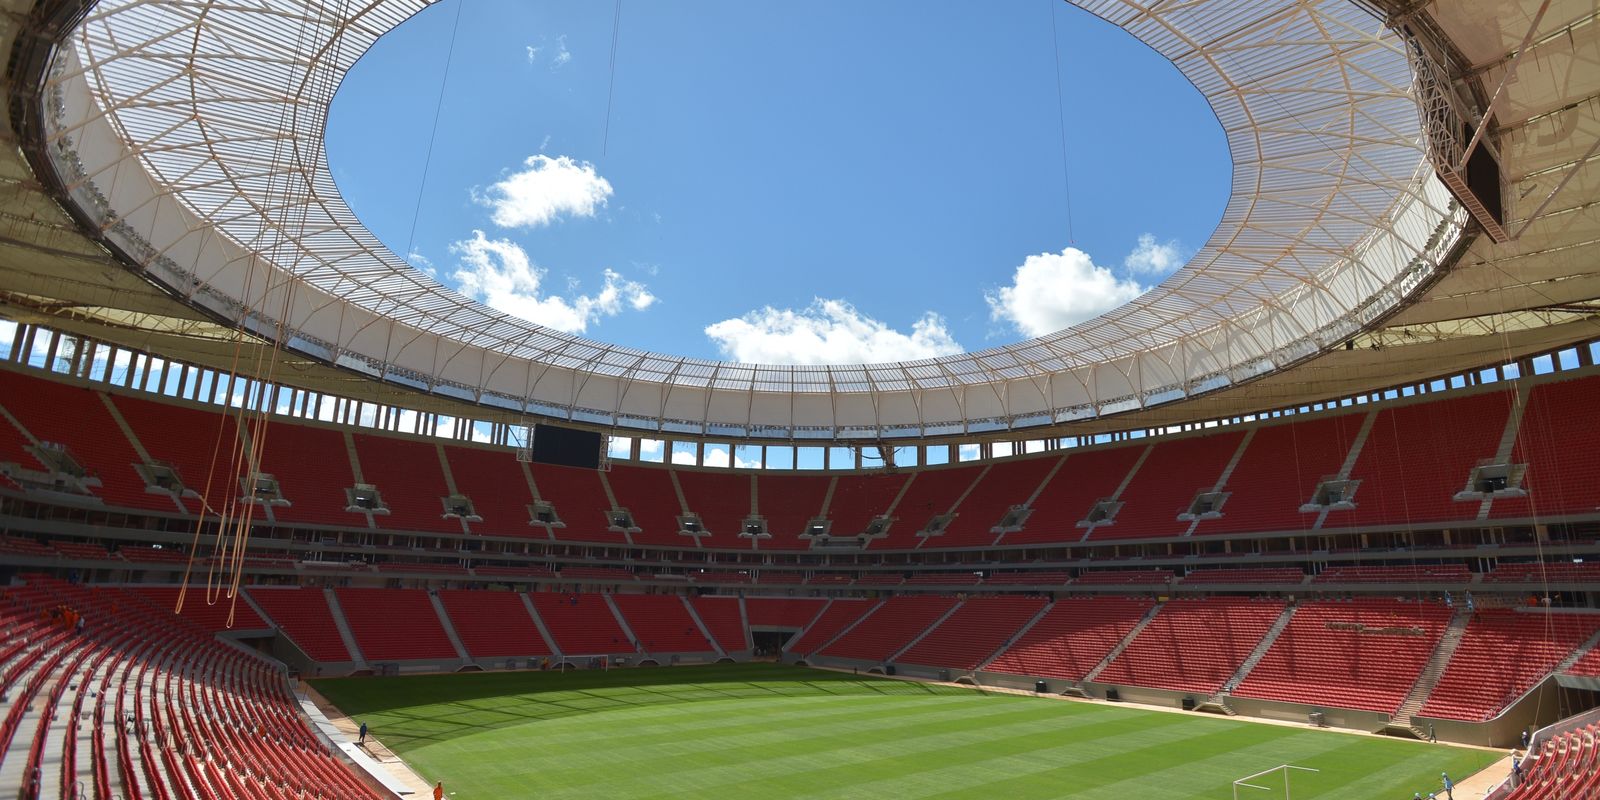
x,y
438,791
362,737
1449,786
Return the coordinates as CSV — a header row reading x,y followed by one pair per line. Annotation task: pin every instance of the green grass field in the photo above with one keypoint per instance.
x,y
767,731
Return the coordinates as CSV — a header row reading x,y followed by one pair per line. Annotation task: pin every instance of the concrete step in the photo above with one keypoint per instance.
x,y
1260,650
449,627
1418,697
925,631
1034,620
343,625
1123,645
700,625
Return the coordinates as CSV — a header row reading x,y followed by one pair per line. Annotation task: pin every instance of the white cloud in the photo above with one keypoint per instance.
x,y
544,144
684,457
827,332
1150,258
422,262
533,53
1051,291
499,273
563,56
546,189
717,456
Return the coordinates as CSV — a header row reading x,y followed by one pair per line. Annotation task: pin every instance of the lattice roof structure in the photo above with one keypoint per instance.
x,y
188,138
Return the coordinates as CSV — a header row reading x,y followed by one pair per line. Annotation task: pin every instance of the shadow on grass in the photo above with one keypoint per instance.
x,y
413,711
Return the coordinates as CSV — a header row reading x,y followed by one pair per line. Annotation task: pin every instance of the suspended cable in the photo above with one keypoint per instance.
x,y
433,135
1061,119
611,84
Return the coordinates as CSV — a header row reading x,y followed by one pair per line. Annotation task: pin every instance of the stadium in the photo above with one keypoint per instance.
x,y
1317,515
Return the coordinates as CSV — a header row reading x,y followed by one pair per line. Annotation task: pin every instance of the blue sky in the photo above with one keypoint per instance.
x,y
811,183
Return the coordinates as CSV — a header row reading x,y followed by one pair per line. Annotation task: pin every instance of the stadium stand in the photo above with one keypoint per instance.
x,y
838,615
1418,456
312,467
579,499
1541,572
408,476
1588,665
1566,766
168,433
1037,578
661,623
1193,645
889,628
1101,577
493,624
1364,653
207,611
493,481
303,616
782,612
858,498
1563,477
1166,483
789,504
1005,484
974,632
77,419
1396,574
581,623
1073,637
1275,575
1084,478
648,494
394,624
722,618
1279,472
1504,653
722,501
931,493
157,708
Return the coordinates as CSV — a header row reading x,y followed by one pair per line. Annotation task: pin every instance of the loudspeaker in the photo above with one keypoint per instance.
x,y
1041,687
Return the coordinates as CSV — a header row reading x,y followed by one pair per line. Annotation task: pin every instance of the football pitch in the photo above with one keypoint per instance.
x,y
768,731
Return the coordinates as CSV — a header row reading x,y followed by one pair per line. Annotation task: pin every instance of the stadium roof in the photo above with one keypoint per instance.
x,y
187,137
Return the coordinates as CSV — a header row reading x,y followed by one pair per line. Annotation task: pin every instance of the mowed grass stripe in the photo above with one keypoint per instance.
x,y
464,707
891,745
780,732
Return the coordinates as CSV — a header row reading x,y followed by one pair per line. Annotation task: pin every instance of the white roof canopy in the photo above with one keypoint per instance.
x,y
192,132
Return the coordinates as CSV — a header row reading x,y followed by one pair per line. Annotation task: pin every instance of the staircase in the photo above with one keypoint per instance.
x,y
1260,652
627,630
550,641
449,628
339,622
1400,724
925,631
1578,654
1022,631
846,629
1219,701
700,625
1122,645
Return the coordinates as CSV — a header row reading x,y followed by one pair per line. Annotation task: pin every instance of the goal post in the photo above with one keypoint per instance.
x,y
1266,776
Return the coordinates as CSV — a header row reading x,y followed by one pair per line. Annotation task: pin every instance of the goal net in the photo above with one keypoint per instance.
x,y
1268,784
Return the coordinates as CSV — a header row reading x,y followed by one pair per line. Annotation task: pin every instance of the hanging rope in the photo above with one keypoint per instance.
x,y
433,135
611,84
1061,119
